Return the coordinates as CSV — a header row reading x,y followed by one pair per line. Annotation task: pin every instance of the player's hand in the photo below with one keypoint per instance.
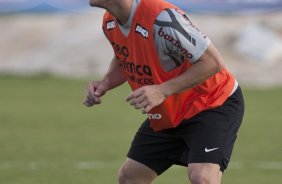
x,y
94,90
146,98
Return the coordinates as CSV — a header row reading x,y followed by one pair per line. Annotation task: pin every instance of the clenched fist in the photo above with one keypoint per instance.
x,y
94,90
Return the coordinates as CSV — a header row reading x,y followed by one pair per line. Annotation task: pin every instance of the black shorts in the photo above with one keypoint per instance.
x,y
208,137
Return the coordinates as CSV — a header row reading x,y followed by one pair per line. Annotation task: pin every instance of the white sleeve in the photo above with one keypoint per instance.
x,y
177,38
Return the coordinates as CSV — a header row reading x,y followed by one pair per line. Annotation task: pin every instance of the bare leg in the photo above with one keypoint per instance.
x,y
132,172
204,173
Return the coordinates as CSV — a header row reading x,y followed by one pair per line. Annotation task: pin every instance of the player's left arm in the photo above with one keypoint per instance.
x,y
206,66
148,97
206,61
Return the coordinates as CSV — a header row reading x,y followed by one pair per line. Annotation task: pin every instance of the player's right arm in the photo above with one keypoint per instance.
x,y
95,89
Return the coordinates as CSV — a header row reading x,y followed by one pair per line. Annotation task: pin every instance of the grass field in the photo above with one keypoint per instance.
x,y
48,137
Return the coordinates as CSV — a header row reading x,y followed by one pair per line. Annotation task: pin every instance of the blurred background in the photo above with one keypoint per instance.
x,y
49,50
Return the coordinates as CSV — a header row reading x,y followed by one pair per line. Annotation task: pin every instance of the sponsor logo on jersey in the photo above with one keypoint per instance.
x,y
175,43
142,31
184,15
110,25
137,73
141,70
154,116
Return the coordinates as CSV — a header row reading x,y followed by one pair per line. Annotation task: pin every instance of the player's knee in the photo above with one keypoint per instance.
x,y
204,173
134,172
123,176
199,178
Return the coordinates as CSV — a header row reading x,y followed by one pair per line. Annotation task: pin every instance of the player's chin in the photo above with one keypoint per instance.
x,y
94,3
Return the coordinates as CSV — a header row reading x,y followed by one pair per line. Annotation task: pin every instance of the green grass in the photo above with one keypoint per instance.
x,y
48,137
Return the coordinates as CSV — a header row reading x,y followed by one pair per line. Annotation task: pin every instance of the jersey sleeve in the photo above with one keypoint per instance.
x,y
177,39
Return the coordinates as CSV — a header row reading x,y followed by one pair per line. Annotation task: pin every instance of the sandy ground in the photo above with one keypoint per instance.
x,y
73,45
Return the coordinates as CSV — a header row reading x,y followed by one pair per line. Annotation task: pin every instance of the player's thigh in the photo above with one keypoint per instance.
x,y
157,150
204,173
133,170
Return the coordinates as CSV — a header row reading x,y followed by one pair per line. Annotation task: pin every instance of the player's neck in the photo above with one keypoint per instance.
x,y
121,10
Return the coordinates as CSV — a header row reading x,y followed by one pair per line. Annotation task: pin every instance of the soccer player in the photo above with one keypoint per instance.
x,y
194,104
